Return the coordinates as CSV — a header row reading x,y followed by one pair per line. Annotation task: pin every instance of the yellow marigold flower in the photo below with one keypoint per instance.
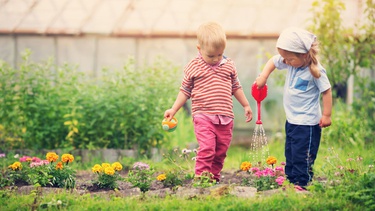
x,y
245,166
105,165
109,170
97,168
59,166
16,166
161,177
271,160
67,158
117,166
52,157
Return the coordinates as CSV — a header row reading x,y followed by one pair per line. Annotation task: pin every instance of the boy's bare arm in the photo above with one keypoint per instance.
x,y
240,96
180,101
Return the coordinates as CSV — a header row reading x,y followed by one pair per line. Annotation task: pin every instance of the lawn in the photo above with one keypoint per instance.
x,y
352,189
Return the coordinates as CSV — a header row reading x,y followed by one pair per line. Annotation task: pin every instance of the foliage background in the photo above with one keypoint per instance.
x,y
44,106
48,107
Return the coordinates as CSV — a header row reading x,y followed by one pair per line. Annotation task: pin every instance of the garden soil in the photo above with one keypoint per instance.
x,y
230,183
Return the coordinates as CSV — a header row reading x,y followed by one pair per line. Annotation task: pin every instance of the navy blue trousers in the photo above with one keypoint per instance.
x,y
301,149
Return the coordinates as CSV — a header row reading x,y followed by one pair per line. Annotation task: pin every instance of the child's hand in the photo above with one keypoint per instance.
x,y
325,121
169,114
248,113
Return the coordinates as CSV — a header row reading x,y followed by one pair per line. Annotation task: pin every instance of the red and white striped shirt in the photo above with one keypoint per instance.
x,y
210,87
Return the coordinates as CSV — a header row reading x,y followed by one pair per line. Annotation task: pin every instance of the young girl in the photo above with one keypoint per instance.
x,y
306,79
210,80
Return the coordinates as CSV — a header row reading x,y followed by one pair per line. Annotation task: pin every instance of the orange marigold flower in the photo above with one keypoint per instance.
x,y
52,157
105,165
59,166
67,158
28,159
109,170
117,166
271,160
97,168
245,166
161,177
16,166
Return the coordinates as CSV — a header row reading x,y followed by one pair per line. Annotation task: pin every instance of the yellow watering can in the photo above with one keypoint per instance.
x,y
169,125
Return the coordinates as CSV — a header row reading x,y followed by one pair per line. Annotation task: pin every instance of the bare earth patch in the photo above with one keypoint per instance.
x,y
230,184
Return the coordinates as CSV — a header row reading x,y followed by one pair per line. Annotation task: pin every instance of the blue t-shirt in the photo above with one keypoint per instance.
x,y
302,93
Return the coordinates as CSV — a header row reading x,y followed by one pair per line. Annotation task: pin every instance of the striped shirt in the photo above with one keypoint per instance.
x,y
210,87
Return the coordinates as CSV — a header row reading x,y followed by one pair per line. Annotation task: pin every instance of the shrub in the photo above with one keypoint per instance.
x,y
47,107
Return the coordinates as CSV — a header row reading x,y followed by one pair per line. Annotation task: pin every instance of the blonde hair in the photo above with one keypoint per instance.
x,y
313,59
211,35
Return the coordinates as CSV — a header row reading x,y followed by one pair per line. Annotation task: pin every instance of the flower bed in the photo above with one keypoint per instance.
x,y
53,172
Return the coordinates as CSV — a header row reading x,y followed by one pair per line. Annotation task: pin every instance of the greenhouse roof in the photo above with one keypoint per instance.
x,y
158,18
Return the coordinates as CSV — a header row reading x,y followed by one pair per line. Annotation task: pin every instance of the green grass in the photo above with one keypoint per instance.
x,y
288,200
356,192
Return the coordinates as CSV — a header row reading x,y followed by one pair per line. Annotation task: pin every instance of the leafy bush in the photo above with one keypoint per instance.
x,y
349,125
43,106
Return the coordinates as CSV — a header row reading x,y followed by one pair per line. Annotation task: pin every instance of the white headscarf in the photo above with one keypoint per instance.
x,y
295,40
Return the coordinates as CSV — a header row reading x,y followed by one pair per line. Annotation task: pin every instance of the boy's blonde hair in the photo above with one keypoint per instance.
x,y
211,35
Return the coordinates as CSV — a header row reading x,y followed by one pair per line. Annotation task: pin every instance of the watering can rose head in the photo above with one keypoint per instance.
x,y
259,93
169,125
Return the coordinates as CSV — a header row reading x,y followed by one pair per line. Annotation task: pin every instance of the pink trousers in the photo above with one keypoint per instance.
x,y
214,141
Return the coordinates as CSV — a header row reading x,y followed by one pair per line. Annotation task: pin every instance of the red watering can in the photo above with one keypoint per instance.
x,y
259,95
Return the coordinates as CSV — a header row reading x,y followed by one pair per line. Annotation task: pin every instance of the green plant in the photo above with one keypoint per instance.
x,y
204,180
108,175
327,25
348,177
32,170
17,174
48,106
171,179
39,174
363,190
141,176
62,175
54,204
351,53
183,159
350,125
364,109
263,177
